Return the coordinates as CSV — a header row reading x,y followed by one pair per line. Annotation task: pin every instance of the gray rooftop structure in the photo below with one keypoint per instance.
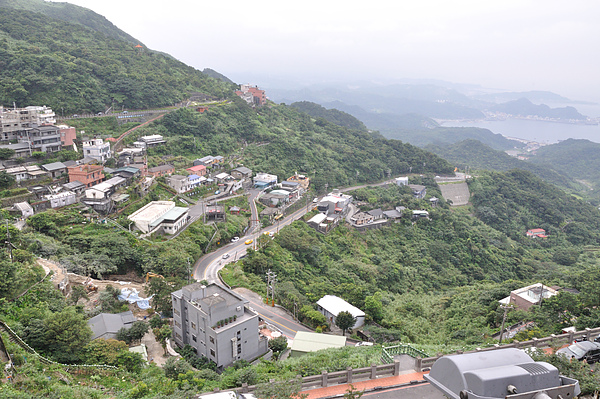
x,y
106,325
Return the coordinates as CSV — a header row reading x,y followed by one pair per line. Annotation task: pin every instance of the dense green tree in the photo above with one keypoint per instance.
x,y
278,345
67,334
6,180
6,153
344,320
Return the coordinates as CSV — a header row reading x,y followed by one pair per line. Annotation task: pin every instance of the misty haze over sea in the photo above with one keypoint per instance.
x,y
541,131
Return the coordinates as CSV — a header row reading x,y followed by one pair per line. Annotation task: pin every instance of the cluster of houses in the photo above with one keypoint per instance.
x,y
33,129
335,207
252,95
278,195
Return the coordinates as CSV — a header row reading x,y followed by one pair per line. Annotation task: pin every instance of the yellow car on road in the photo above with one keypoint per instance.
x,y
249,241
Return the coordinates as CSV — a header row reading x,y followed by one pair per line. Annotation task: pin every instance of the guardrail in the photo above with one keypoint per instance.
x,y
388,353
552,340
17,340
347,376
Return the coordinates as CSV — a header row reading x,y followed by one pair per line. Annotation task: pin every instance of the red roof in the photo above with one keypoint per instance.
x,y
196,168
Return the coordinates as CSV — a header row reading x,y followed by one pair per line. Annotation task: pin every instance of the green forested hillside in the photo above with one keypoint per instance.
x,y
478,156
74,69
576,158
515,201
446,136
72,14
281,140
332,115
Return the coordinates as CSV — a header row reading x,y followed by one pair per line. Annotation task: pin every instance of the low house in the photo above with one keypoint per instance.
x,y
418,214
77,187
178,183
242,172
533,233
194,181
215,212
334,203
149,141
392,214
160,216
264,180
401,181
23,209
61,199
526,297
18,172
322,223
106,325
376,213
128,173
305,342
418,190
360,218
97,149
55,169
199,170
330,306
223,177
162,170
302,180
35,172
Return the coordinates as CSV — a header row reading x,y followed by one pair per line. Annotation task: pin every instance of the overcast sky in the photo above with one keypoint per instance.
x,y
515,45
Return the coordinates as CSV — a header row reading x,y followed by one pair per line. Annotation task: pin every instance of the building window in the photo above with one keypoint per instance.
x,y
194,338
212,340
212,352
193,325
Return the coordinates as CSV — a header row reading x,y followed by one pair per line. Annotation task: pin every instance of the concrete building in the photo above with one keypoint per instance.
x,y
264,180
55,169
149,141
45,138
401,181
302,180
14,122
68,134
252,95
23,209
178,183
97,149
526,297
159,215
61,199
162,170
330,306
217,323
334,203
106,325
87,174
242,172
418,190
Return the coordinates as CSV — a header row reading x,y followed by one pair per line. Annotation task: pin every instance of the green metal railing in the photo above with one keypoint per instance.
x,y
387,355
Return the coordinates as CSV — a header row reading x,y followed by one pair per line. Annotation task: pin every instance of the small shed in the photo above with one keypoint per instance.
x,y
331,306
106,325
305,342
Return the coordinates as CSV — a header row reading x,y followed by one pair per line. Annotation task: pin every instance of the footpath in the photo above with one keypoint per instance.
x,y
367,385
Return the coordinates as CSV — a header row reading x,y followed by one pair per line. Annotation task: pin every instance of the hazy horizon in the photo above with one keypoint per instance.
x,y
509,45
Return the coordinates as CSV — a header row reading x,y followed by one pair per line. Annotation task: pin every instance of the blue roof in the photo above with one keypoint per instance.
x,y
193,176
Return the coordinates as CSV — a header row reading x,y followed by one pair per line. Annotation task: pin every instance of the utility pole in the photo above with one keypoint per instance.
x,y
8,243
189,271
506,308
271,280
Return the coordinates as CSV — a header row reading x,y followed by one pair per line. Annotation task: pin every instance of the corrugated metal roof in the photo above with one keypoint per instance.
x,y
335,305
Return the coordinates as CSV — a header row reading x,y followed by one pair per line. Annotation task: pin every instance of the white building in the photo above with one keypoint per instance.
x,y
97,149
149,141
331,306
179,183
334,203
402,181
262,180
61,199
160,214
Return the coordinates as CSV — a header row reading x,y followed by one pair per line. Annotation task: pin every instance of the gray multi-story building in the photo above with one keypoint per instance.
x,y
217,323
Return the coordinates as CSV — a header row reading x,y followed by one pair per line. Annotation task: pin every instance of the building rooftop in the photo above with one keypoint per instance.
x,y
312,342
149,211
335,305
53,166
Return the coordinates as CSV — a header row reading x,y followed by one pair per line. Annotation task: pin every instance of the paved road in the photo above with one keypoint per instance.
x,y
208,266
275,316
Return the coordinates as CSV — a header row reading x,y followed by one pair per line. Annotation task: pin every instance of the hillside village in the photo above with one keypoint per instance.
x,y
170,233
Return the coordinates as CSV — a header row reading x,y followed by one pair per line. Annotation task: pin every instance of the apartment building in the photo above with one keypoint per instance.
x,y
217,323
